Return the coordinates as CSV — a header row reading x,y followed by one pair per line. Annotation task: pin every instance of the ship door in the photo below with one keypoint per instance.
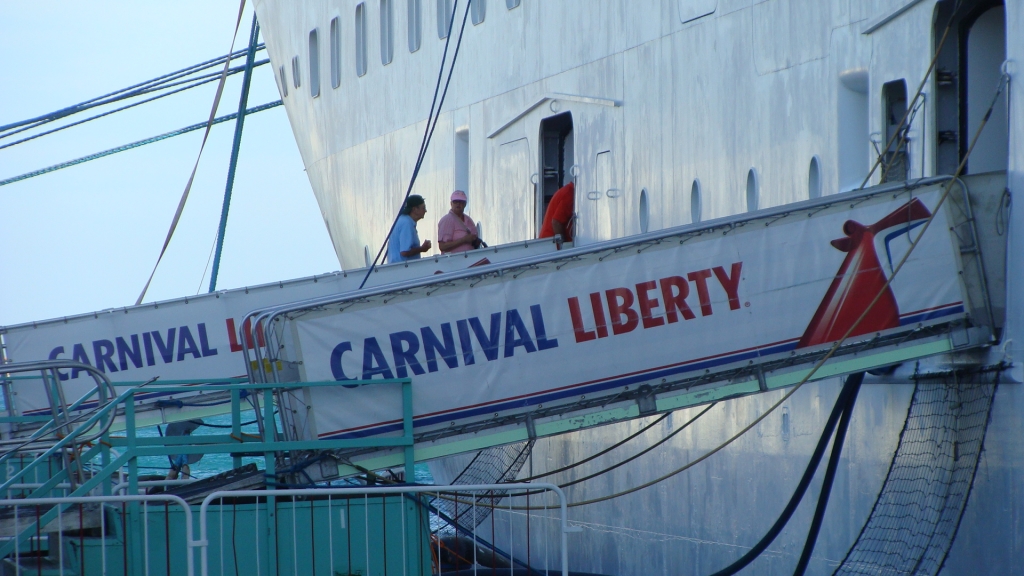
x,y
556,160
968,70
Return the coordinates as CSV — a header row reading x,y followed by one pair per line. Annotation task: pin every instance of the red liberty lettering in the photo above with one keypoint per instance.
x,y
647,303
674,302
247,327
599,321
700,278
582,335
730,285
617,310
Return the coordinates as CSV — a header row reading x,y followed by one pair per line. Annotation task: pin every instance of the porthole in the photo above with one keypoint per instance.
x,y
335,52
444,17
752,190
314,63
479,10
695,202
283,81
387,44
361,39
366,255
414,10
645,212
510,4
295,72
814,179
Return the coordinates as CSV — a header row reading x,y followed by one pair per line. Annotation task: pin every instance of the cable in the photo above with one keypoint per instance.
x,y
139,88
830,476
136,144
431,118
849,388
205,80
599,454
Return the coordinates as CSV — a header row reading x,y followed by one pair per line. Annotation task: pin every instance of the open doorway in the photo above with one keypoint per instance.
x,y
556,159
967,72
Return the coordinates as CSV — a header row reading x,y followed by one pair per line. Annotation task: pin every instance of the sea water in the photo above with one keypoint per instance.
x,y
213,464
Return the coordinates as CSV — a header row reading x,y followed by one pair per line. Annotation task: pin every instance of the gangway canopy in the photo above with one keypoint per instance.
x,y
648,323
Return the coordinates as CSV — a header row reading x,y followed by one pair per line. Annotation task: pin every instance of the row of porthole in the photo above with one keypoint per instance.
x,y
444,19
753,194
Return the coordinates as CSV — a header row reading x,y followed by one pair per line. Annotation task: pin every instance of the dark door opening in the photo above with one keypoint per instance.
x,y
556,155
966,75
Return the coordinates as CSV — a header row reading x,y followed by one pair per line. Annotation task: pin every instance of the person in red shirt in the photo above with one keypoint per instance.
x,y
558,216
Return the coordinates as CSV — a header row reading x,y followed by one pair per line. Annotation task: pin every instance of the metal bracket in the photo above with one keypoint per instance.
x,y
646,401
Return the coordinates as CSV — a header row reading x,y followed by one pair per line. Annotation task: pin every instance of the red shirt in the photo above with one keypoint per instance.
x,y
560,208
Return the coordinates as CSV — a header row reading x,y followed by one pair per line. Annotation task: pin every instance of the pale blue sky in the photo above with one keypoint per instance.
x,y
85,238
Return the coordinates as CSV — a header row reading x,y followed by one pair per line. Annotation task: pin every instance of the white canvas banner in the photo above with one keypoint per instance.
x,y
669,311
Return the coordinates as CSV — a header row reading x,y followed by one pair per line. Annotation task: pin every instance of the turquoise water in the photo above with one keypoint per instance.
x,y
213,464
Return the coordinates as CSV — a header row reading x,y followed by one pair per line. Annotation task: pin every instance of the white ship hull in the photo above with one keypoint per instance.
x,y
680,111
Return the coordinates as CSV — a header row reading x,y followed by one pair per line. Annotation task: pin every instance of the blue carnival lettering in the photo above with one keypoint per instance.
x,y
53,356
373,360
103,351
431,345
405,356
204,342
124,352
166,350
513,326
186,344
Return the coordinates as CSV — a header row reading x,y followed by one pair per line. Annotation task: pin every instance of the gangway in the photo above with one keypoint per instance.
x,y
556,342
529,340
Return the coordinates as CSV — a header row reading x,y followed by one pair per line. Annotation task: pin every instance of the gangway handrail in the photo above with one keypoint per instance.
x,y
262,319
104,389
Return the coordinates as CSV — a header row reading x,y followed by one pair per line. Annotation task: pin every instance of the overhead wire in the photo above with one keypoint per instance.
x,y
205,79
431,124
117,95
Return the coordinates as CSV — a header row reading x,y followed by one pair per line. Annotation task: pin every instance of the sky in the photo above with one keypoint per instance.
x,y
86,238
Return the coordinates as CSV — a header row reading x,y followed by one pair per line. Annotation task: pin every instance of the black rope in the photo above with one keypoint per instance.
x,y
830,476
852,383
431,124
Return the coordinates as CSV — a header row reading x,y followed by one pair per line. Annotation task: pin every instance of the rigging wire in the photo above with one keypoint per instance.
x,y
136,144
137,89
195,167
913,102
205,79
429,132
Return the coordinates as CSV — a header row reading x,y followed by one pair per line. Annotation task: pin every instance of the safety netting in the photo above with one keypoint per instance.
x,y
915,519
490,466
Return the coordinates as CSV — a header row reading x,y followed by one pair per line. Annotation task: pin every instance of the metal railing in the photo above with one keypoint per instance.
x,y
352,530
142,542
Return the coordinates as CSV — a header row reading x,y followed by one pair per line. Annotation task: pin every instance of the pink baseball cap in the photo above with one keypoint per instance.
x,y
460,196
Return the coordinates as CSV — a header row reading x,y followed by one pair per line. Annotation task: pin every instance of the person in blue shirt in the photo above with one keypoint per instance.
x,y
404,244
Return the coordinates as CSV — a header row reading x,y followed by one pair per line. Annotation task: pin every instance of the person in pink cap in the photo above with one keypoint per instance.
x,y
456,231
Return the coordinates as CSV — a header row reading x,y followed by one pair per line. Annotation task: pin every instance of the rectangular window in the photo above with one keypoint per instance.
x,y
896,162
387,44
510,4
282,81
415,35
361,39
314,63
444,16
295,72
479,11
335,52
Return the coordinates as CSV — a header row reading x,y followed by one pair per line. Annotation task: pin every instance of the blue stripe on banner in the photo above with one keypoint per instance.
x,y
615,382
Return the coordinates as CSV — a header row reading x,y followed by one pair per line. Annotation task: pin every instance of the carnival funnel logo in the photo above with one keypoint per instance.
x,y
861,277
